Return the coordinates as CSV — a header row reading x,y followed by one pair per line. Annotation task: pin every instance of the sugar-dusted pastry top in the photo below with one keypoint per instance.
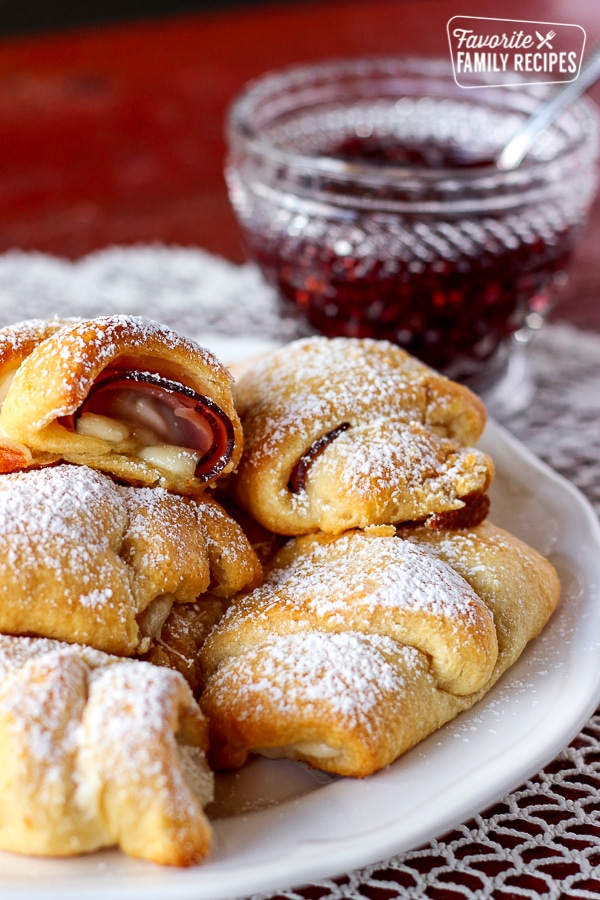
x,y
88,561
97,752
122,394
361,582
344,432
359,645
16,343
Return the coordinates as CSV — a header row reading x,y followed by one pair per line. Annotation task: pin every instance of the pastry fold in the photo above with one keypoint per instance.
x,y
121,394
116,567
342,433
359,645
97,752
16,343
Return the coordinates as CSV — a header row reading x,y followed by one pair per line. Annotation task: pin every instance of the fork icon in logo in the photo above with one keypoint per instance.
x,y
545,41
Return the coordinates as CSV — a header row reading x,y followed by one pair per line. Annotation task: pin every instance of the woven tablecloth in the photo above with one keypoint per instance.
x,y
542,840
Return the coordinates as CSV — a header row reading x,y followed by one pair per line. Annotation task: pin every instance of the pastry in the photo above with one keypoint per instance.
x,y
97,752
357,646
88,561
342,433
16,343
121,394
265,543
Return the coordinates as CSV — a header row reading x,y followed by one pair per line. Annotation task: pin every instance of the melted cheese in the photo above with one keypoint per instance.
x,y
102,427
178,460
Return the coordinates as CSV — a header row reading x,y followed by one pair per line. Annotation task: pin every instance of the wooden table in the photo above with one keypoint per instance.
x,y
115,134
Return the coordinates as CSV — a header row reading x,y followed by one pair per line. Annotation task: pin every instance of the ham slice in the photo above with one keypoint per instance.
x,y
162,412
297,481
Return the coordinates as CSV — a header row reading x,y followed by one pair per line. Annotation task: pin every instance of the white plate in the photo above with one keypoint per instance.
x,y
291,827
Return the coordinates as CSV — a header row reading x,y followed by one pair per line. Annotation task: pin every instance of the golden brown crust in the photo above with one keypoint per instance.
x,y
265,543
379,438
234,565
349,679
97,752
17,341
182,637
517,583
364,582
55,378
88,561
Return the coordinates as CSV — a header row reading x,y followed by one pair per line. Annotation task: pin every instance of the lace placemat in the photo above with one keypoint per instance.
x,y
543,840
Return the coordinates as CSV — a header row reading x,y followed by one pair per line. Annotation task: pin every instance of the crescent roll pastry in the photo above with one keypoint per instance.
x,y
357,646
124,395
16,343
97,752
343,433
88,561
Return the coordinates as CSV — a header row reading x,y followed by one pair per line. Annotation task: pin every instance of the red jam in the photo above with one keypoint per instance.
x,y
453,313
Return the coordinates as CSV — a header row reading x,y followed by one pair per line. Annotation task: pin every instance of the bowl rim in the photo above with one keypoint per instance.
x,y
240,127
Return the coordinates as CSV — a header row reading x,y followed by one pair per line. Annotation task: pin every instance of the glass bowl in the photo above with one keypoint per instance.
x,y
367,194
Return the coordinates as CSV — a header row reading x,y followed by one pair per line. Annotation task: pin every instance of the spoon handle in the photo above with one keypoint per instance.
x,y
519,144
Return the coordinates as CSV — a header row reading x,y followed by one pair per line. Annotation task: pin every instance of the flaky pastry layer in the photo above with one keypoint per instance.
x,y
99,752
359,645
343,433
88,561
51,373
16,343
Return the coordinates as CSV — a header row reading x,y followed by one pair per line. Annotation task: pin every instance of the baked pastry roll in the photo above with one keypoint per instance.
x,y
88,561
16,343
97,752
359,645
343,433
124,395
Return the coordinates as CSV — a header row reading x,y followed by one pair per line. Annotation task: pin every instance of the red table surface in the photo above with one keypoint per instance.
x,y
114,134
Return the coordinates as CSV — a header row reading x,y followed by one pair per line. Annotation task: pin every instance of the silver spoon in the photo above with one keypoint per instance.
x,y
514,151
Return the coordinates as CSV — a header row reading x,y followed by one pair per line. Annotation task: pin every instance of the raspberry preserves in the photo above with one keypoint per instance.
x,y
453,307
356,197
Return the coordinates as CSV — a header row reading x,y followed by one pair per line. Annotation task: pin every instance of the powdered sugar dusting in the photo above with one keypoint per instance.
x,y
81,556
41,708
380,573
15,652
92,344
150,525
214,519
312,371
349,672
124,704
94,740
51,508
319,380
400,455
22,334
397,459
469,553
372,584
